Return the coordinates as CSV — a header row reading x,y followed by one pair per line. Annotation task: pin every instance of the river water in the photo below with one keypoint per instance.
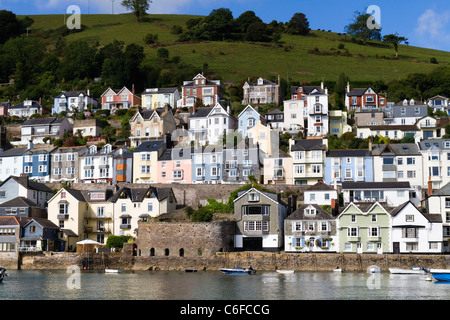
x,y
213,285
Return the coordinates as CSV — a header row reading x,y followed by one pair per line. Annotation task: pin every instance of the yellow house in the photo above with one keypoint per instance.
x,y
155,98
267,138
145,160
338,122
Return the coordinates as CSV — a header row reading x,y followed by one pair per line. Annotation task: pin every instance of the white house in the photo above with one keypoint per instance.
x,y
438,202
436,162
317,111
414,231
11,162
320,194
25,109
391,194
71,101
294,115
207,125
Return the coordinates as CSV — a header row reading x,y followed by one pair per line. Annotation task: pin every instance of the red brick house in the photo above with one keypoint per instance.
x,y
364,98
200,88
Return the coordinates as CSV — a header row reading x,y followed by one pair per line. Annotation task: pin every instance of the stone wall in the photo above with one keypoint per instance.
x,y
187,239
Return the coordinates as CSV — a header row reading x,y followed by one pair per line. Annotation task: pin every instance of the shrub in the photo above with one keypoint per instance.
x,y
117,241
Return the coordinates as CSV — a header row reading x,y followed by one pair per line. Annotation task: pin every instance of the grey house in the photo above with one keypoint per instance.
x,y
65,164
36,130
259,217
240,162
310,229
41,235
22,207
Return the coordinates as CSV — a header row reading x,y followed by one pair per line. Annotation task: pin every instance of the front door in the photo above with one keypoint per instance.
x,y
396,247
379,247
358,247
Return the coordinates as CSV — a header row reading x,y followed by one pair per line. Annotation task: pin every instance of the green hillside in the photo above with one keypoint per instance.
x,y
321,56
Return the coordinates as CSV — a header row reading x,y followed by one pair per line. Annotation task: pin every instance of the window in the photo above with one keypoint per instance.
x,y
145,169
352,232
101,212
409,218
150,207
124,207
388,160
374,218
200,172
214,171
410,161
316,168
43,168
374,232
177,174
353,218
256,225
63,208
253,197
410,233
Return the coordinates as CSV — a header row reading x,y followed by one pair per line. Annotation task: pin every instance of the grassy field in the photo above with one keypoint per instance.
x,y
322,56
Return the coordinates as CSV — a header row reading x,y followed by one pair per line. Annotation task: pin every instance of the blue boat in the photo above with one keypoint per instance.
x,y
238,270
441,274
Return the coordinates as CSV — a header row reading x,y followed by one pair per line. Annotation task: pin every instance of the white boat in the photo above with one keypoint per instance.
x,y
238,270
338,270
113,271
414,270
285,271
374,269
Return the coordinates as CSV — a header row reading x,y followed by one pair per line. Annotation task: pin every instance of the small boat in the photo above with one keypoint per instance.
x,y
338,270
413,270
238,270
113,271
3,273
285,271
374,269
190,270
441,274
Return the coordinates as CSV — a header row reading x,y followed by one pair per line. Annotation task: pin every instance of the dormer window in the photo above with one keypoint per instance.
x,y
310,211
253,197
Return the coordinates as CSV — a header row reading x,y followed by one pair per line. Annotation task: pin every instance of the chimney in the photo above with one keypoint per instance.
x,y
321,85
348,86
132,89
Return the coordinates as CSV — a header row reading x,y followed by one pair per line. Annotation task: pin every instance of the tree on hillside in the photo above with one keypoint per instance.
x,y
298,24
11,26
258,31
358,28
245,20
395,40
139,7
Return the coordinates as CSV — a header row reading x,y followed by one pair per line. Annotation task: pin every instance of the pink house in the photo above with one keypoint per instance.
x,y
120,99
4,108
175,166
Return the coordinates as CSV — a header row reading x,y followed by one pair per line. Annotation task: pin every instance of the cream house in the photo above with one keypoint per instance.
x,y
145,160
134,204
268,139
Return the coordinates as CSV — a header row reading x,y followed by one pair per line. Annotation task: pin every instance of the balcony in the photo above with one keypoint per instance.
x,y
353,238
97,230
29,249
93,215
63,216
125,226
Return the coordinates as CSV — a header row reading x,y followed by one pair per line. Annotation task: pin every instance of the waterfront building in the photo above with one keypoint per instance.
x,y
348,165
22,186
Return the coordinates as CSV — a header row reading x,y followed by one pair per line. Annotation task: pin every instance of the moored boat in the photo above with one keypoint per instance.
x,y
113,271
414,270
238,270
190,270
374,269
338,270
440,274
285,271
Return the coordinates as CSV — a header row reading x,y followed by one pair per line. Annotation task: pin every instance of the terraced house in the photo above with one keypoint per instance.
x,y
65,164
37,163
145,161
308,160
364,228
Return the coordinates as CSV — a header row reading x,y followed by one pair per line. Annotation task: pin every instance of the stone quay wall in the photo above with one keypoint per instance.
x,y
261,261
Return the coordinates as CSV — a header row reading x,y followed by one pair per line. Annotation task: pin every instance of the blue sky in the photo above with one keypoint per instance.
x,y
424,23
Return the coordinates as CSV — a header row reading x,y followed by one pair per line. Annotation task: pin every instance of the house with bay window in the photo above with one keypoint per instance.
x,y
308,157
363,99
73,101
209,92
310,229
259,217
364,228
97,164
113,99
439,103
391,194
65,164
261,92
207,164
317,112
348,165
398,162
436,162
416,232
133,204
37,163
242,161
277,169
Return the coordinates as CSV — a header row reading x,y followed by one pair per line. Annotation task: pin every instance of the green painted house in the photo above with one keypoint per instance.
x,y
364,228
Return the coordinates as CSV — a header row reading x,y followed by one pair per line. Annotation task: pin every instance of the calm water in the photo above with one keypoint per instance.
x,y
212,285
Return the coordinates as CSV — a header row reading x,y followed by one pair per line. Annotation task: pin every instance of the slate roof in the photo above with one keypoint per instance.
x,y
13,152
430,217
409,111
160,90
19,202
177,154
375,185
320,186
308,144
72,94
430,143
149,146
138,194
444,191
22,105
43,121
8,221
201,112
396,149
299,213
357,92
29,184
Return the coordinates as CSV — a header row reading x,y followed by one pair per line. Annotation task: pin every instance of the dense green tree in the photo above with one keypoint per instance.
x,y
298,24
78,61
258,31
358,28
139,7
10,26
245,20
